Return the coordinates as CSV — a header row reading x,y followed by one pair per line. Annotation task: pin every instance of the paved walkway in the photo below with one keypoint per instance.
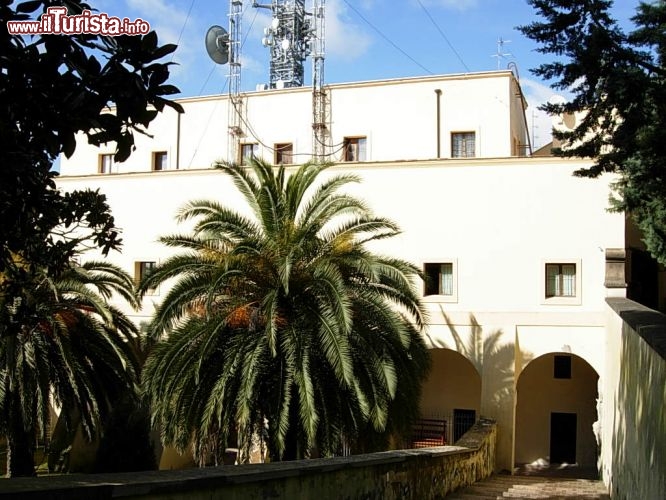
x,y
552,488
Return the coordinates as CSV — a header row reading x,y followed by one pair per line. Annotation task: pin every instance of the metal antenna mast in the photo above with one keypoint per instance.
x,y
235,100
319,96
500,54
288,38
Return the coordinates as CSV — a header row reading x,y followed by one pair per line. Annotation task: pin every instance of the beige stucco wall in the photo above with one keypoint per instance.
x,y
633,426
398,117
453,383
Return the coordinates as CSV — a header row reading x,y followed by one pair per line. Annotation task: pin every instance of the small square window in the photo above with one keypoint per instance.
x,y
142,269
439,279
248,151
354,149
284,153
160,160
560,280
463,144
105,163
562,367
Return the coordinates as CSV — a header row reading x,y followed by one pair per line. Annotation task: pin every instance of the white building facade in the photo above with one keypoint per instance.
x,y
515,245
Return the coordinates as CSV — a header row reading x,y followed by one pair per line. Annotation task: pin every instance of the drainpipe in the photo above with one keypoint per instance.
x,y
439,122
177,140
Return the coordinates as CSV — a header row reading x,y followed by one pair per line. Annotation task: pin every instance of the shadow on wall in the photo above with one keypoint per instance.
x,y
490,356
639,437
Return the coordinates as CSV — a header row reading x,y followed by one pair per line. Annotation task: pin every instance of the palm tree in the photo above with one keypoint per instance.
x,y
74,351
282,324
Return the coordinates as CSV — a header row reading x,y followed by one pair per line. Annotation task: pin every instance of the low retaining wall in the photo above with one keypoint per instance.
x,y
417,474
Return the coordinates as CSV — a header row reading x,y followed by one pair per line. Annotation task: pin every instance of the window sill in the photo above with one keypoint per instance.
x,y
561,301
435,299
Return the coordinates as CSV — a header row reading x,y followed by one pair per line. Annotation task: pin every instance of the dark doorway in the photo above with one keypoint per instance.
x,y
463,420
562,438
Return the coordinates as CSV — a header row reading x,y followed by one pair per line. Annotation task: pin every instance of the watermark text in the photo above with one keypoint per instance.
x,y
56,22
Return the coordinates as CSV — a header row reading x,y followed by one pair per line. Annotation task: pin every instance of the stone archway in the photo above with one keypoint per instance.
x,y
555,410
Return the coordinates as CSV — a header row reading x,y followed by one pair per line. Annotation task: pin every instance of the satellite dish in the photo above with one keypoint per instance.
x,y
275,23
286,44
217,44
569,120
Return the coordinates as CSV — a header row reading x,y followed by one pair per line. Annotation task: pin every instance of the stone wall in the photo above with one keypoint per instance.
x,y
633,402
404,474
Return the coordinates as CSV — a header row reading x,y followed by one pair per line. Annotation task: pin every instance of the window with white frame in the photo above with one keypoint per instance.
x,y
105,163
561,282
248,151
441,280
463,144
354,149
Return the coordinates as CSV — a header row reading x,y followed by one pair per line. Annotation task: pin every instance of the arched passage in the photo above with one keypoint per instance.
x,y
452,392
555,410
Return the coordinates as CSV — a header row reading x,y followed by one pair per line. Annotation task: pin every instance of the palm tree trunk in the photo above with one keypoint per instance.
x,y
20,445
291,445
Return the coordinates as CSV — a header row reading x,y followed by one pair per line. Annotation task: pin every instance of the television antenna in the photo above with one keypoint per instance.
x,y
224,48
500,54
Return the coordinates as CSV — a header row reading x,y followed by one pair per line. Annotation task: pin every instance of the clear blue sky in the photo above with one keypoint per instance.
x,y
355,50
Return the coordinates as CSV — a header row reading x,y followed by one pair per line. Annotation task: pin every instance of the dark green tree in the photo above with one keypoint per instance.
x,y
282,324
619,80
71,348
51,88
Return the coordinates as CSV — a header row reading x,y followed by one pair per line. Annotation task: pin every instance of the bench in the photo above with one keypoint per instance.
x,y
428,432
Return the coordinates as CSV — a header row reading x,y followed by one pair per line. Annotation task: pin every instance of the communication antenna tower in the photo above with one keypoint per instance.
x,y
288,38
225,47
500,54
293,35
320,133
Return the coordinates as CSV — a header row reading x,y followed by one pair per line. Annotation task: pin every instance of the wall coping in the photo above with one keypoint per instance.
x,y
649,324
127,484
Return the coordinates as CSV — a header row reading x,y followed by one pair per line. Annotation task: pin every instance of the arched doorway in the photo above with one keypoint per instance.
x,y
451,393
555,411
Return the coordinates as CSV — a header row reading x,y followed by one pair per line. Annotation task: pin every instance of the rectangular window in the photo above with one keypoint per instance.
x,y
354,149
105,163
560,280
160,160
439,279
284,153
248,151
562,367
463,144
143,269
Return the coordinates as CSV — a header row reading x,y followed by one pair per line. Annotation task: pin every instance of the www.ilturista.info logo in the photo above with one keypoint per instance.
x,y
56,22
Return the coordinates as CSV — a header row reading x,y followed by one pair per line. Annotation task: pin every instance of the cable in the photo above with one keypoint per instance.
x,y
388,39
256,137
187,17
441,32
210,73
210,117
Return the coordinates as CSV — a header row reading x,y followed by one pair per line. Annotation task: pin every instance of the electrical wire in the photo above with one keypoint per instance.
x,y
441,32
272,149
205,129
391,42
187,17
